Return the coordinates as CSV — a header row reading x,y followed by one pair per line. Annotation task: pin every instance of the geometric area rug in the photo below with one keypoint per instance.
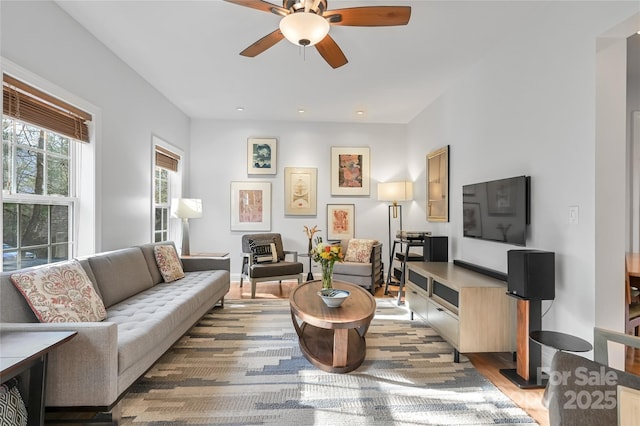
x,y
241,365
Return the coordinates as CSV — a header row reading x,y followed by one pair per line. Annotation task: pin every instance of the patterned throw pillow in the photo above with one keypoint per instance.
x,y
359,250
168,262
263,251
60,293
12,408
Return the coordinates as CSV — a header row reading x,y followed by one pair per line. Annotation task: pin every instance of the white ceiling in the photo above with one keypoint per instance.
x,y
188,50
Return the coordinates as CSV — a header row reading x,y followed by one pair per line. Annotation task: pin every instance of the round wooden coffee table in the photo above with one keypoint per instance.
x,y
332,339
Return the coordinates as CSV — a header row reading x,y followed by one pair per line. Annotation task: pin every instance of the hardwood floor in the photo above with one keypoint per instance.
x,y
488,364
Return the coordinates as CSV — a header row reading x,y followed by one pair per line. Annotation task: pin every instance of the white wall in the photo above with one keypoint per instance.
x,y
218,156
529,108
42,38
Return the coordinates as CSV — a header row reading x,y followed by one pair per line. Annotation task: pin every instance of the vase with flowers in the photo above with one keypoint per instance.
x,y
326,255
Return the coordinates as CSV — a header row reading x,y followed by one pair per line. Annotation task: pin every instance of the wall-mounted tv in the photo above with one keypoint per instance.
x,y
497,210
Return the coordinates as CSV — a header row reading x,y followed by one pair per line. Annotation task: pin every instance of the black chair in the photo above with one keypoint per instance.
x,y
259,263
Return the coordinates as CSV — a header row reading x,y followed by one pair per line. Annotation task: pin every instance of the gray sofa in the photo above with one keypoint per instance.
x,y
145,316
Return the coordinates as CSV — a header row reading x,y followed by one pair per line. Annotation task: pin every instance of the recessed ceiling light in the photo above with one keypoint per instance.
x,y
301,111
239,108
360,112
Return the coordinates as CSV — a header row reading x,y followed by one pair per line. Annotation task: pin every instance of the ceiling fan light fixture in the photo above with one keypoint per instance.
x,y
304,28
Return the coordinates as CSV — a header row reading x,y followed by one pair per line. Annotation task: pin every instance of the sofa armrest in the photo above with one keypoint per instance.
x,y
194,264
84,370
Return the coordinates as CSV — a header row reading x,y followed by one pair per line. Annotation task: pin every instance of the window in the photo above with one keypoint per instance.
x,y
162,206
166,185
40,146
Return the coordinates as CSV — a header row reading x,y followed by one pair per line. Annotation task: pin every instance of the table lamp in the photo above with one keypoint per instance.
x,y
185,209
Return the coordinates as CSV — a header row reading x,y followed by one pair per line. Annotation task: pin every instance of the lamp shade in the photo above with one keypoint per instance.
x,y
187,208
304,28
395,191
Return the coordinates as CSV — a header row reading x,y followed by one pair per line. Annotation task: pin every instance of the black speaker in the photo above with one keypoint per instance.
x,y
531,274
436,249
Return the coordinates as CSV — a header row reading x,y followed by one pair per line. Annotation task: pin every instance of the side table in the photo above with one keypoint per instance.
x,y
28,350
560,341
309,274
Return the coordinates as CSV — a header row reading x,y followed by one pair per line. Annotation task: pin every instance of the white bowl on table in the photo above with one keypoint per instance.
x,y
333,298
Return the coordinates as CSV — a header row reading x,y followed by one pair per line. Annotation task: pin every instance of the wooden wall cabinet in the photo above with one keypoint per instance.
x,y
469,310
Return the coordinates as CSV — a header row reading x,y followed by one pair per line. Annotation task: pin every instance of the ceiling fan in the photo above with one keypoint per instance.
x,y
307,23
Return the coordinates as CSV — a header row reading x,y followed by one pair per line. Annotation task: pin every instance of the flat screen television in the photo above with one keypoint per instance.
x,y
497,210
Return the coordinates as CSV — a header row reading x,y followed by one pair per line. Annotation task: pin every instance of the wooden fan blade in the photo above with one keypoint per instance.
x,y
263,44
262,5
331,52
370,16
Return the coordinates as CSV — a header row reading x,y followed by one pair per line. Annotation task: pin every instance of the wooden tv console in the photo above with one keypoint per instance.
x,y
469,310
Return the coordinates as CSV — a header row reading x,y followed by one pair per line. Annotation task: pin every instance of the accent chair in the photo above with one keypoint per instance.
x,y
367,273
265,259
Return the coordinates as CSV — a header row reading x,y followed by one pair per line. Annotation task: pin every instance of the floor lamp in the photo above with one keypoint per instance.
x,y
395,192
185,209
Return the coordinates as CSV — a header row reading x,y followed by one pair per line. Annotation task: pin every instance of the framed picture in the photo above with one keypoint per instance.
x,y
261,156
438,185
300,191
349,171
340,221
250,206
472,222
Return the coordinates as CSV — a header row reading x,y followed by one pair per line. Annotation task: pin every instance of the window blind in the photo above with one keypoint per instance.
x,y
26,103
167,159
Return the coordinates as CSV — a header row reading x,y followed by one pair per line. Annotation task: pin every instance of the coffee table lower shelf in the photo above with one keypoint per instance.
x,y
325,348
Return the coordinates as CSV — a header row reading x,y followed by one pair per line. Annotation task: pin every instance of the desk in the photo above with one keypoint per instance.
x,y
28,350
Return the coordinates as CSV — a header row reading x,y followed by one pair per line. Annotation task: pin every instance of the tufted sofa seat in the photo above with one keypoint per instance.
x,y
145,316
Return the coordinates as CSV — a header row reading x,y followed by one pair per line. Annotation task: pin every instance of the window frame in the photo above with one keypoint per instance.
x,y
70,200
85,229
174,187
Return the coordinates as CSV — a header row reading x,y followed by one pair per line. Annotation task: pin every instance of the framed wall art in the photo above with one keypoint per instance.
x,y
340,221
250,206
261,156
300,191
438,185
349,171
